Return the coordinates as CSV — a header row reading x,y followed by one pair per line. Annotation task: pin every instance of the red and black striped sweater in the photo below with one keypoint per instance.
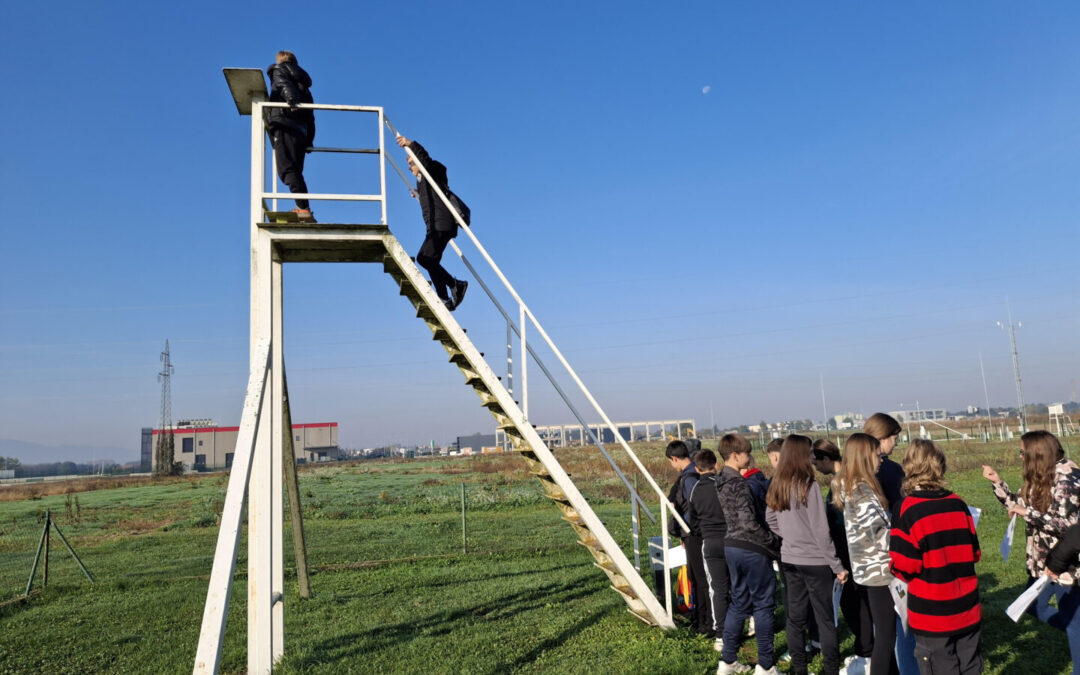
x,y
933,547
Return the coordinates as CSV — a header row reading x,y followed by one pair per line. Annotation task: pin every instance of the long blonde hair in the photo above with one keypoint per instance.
x,y
1042,451
924,466
858,466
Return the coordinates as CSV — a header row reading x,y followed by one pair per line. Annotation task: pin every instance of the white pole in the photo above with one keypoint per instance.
x,y
524,363
986,395
277,431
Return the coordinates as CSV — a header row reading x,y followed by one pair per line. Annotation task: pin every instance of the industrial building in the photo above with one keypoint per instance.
x,y
201,446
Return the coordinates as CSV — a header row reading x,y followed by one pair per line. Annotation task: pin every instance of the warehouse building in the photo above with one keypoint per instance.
x,y
201,446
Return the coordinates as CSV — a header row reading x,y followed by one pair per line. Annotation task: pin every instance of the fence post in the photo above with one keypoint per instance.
x,y
464,527
37,557
45,562
635,519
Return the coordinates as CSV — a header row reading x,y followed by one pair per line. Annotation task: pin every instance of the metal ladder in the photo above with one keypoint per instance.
x,y
509,418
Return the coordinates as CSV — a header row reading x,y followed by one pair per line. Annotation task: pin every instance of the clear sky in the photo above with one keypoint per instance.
x,y
706,203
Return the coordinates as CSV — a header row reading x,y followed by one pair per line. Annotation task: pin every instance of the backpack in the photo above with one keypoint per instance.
x,y
460,206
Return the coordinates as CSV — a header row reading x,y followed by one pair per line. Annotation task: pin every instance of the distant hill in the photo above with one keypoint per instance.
x,y
36,453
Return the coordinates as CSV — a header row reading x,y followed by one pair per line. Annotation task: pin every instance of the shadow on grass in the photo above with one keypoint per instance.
x,y
391,638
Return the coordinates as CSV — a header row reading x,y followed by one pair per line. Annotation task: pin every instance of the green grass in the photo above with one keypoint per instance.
x,y
393,592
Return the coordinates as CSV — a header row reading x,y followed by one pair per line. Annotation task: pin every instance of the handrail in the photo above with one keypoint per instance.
x,y
551,378
527,312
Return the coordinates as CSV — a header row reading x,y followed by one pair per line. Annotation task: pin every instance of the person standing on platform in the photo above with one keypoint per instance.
x,y
291,131
440,222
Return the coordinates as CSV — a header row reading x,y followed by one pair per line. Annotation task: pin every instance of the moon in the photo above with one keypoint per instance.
x,y
706,89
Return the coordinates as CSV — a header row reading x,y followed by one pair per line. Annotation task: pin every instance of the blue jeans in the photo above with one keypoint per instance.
x,y
753,593
905,651
1064,616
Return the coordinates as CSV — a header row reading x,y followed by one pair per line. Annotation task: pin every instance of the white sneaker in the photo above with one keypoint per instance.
x,y
729,668
751,631
855,665
719,644
758,670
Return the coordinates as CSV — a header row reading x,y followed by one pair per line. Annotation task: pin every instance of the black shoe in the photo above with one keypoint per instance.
x,y
458,293
449,303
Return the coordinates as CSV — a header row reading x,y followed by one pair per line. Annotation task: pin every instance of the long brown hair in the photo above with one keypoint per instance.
x,y
794,473
881,426
1042,450
924,466
858,466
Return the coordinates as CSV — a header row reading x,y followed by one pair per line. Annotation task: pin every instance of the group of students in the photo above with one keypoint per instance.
x,y
880,525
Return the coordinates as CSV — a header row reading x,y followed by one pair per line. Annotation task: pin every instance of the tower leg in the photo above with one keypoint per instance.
x,y
277,511
292,487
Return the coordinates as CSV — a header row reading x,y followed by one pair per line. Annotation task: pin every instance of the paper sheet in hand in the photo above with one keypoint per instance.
x,y
899,597
975,513
1006,543
1020,605
837,591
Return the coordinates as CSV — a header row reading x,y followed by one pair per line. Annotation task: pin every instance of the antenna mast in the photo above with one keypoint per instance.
x,y
1016,370
163,453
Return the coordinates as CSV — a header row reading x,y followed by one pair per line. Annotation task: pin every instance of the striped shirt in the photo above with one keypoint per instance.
x,y
933,547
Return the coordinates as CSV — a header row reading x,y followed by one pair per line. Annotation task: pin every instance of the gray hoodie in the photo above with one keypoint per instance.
x,y
805,531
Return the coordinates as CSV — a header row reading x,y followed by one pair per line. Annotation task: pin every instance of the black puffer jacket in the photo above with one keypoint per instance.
x,y
744,529
436,215
289,83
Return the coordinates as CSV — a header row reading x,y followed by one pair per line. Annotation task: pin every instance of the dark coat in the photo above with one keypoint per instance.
x,y
891,477
436,216
744,528
706,516
1066,553
289,83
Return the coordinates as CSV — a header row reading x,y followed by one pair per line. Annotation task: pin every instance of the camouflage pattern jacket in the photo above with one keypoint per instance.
x,y
866,523
1045,528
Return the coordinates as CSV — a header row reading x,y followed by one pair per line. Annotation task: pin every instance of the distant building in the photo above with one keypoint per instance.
x,y
146,449
204,448
475,444
920,415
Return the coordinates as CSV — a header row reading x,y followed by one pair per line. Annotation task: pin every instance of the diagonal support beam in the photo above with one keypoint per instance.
x,y
212,633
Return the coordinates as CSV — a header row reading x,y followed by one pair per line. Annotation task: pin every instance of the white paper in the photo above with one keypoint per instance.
x,y
837,591
1020,605
975,513
899,597
1006,543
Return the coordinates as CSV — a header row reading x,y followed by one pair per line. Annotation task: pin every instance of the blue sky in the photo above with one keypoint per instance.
x,y
854,198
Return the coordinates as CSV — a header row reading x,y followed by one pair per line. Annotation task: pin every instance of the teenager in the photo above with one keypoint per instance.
x,y
933,547
707,518
291,131
857,491
796,511
679,457
749,549
853,603
890,476
440,222
1049,504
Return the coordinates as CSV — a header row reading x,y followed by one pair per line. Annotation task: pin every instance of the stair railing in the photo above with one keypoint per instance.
x,y
526,316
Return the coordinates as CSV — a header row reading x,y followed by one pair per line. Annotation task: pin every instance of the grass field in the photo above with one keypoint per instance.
x,y
392,590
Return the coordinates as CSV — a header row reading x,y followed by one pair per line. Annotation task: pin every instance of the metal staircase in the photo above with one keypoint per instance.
x,y
509,418
258,479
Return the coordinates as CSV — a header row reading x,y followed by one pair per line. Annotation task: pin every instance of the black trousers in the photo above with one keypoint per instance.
x,y
716,573
703,621
856,610
290,149
810,591
430,257
949,654
883,616
812,623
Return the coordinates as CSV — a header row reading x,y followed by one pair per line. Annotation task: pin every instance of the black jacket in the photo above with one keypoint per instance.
x,y
744,529
706,516
289,83
891,477
1066,553
436,215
